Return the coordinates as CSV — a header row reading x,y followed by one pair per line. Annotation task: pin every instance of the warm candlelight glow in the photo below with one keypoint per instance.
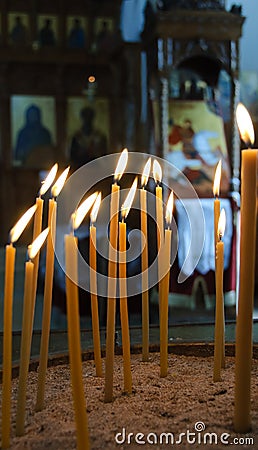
x,y
157,171
58,186
49,180
169,209
36,245
17,230
217,178
91,79
129,199
121,165
79,214
146,173
95,209
245,125
222,223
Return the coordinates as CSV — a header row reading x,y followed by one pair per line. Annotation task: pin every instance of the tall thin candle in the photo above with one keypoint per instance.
x,y
216,189
157,174
10,253
219,319
244,321
112,277
74,343
144,263
37,230
93,288
48,288
33,249
73,322
165,273
123,289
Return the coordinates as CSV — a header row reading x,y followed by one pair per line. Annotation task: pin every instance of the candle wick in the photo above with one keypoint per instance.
x,y
28,256
71,227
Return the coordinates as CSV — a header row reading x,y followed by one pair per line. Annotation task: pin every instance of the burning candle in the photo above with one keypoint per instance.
x,y
123,289
93,288
165,273
112,275
219,343
48,287
73,322
244,320
10,253
157,175
38,227
144,263
33,249
216,189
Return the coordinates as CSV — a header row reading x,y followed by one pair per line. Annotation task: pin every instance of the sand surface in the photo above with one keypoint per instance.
x,y
175,404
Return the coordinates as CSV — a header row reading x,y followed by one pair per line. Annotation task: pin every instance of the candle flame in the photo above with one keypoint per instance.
x,y
79,214
19,227
157,171
48,180
121,165
169,208
146,173
95,209
217,178
245,125
58,186
129,199
36,245
221,223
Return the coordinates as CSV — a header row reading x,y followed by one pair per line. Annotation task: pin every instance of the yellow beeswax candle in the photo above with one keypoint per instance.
x,y
37,230
164,293
145,289
216,189
111,306
47,305
48,289
144,263
10,253
74,342
244,321
123,289
7,344
219,319
94,302
25,348
124,309
112,278
33,249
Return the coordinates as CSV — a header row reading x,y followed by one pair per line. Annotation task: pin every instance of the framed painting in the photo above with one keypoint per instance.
x,y
87,129
195,143
47,30
18,29
249,92
76,31
33,131
104,33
